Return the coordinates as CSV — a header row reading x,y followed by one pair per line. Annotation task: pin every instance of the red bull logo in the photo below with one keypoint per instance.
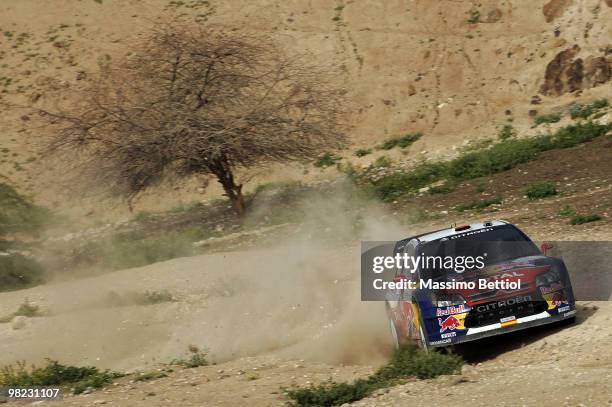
x,y
552,288
450,323
440,312
558,299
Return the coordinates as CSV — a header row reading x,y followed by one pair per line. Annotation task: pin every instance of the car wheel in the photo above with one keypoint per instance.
x,y
394,335
423,344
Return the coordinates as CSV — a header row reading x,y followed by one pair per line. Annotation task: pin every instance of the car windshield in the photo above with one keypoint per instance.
x,y
495,244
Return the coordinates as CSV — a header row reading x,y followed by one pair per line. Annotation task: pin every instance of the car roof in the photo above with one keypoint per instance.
x,y
447,232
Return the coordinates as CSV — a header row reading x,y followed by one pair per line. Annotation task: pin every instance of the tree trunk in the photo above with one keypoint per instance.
x,y
234,193
224,173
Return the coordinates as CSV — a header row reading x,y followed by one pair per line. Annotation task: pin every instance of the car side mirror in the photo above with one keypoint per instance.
x,y
545,247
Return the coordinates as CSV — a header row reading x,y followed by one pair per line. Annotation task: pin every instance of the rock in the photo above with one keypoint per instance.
x,y
535,100
554,9
566,73
19,322
98,402
597,70
467,369
558,42
493,16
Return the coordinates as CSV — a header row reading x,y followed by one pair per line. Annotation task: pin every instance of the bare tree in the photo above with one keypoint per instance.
x,y
197,101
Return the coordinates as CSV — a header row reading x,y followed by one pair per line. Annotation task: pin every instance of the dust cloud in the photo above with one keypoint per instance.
x,y
299,299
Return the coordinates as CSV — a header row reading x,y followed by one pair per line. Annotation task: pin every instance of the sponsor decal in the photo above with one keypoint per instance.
x,y
472,232
503,276
567,314
563,309
449,335
440,312
555,300
451,323
506,319
558,299
551,288
510,266
508,323
440,342
503,303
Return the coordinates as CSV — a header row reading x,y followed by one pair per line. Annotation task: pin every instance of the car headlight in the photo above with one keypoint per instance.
x,y
548,278
444,300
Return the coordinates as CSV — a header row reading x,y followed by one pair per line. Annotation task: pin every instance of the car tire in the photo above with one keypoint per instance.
x,y
423,344
394,334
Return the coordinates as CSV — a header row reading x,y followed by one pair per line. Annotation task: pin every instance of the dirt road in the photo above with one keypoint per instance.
x,y
291,301
282,317
544,367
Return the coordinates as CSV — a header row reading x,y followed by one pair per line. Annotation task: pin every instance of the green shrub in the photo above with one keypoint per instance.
x,y
18,272
479,205
401,141
547,118
408,361
361,152
382,162
125,252
396,184
539,190
142,216
501,156
19,215
280,188
143,377
196,358
417,215
567,211
579,111
332,393
157,297
506,132
580,219
326,160
186,207
474,17
28,310
115,299
131,250
445,188
55,374
25,309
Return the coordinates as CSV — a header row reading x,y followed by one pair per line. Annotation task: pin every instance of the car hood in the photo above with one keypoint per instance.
x,y
524,269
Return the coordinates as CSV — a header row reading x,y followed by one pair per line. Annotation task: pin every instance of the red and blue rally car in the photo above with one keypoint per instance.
x,y
433,317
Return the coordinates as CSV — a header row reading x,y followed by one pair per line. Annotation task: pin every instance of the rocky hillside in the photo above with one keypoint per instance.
x,y
450,69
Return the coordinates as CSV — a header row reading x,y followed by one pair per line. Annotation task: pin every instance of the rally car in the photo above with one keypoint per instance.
x,y
440,317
